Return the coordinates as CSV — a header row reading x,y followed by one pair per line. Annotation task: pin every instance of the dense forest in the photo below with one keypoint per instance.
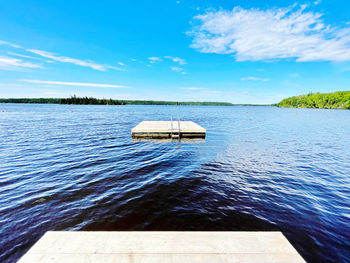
x,y
335,100
93,101
90,101
32,100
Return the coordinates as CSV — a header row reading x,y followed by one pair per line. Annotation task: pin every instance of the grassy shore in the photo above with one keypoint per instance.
x,y
335,100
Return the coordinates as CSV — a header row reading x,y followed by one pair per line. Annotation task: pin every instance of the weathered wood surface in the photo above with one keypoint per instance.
x,y
168,129
162,247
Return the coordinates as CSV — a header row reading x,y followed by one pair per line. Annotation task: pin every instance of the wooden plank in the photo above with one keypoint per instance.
x,y
162,247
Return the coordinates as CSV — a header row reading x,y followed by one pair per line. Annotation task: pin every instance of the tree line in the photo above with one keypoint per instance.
x,y
90,101
335,100
94,101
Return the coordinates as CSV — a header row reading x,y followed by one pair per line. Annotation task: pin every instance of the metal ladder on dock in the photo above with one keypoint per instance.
x,y
175,134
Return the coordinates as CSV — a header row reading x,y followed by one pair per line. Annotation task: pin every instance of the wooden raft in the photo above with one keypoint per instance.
x,y
168,129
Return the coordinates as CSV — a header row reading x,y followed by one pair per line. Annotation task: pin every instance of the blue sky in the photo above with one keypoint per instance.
x,y
236,51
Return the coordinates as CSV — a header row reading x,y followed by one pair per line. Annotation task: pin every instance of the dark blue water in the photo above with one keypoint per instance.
x,y
260,168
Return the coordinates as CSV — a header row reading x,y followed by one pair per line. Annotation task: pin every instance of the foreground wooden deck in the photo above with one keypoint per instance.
x,y
168,129
162,247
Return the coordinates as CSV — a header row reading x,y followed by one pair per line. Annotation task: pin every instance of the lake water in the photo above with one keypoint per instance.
x,y
67,167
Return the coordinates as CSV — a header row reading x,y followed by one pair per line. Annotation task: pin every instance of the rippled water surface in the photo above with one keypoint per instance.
x,y
260,168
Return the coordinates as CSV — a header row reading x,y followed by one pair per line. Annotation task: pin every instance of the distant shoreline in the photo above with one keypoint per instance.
x,y
93,101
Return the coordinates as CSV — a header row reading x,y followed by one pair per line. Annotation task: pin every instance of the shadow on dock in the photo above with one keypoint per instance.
x,y
169,140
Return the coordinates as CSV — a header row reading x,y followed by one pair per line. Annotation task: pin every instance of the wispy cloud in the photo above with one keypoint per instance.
x,y
9,63
64,59
281,33
9,44
23,56
78,84
191,88
177,69
113,67
255,78
154,59
121,63
176,59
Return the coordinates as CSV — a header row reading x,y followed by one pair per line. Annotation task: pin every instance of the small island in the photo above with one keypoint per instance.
x,y
335,100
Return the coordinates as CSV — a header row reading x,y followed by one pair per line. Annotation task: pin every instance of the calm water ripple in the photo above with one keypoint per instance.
x,y
260,168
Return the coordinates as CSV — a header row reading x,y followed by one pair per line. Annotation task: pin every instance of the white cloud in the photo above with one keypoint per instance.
x,y
121,63
255,78
154,59
317,2
69,60
9,63
177,69
254,34
176,59
79,84
133,59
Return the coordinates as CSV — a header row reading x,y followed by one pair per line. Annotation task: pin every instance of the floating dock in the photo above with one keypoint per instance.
x,y
168,129
135,247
